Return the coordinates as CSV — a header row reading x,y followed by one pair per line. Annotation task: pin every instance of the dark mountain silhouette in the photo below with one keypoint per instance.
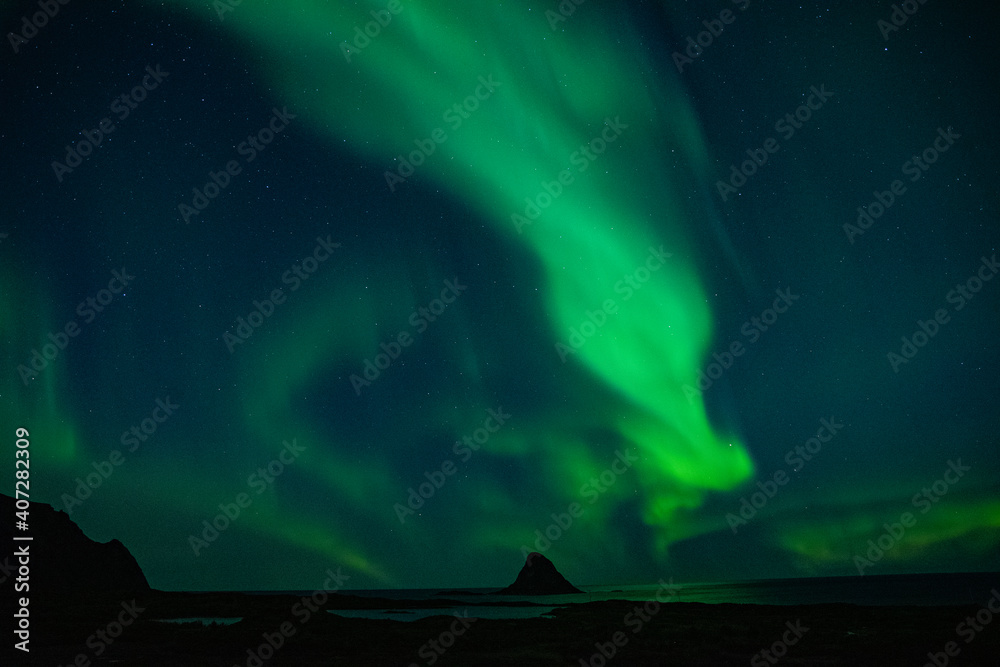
x,y
64,563
539,577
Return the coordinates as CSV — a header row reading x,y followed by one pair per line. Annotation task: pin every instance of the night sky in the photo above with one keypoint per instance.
x,y
566,274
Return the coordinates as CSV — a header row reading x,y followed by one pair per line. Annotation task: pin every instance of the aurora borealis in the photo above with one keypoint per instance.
x,y
398,299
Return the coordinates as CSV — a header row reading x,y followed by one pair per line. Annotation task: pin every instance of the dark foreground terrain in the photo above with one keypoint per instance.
x,y
675,633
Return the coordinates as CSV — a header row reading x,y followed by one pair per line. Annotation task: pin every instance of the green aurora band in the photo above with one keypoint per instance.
x,y
555,91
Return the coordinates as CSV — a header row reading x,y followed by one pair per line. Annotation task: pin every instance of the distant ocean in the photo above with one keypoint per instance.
x,y
921,589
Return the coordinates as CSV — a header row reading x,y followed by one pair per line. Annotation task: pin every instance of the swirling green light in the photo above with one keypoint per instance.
x,y
555,92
